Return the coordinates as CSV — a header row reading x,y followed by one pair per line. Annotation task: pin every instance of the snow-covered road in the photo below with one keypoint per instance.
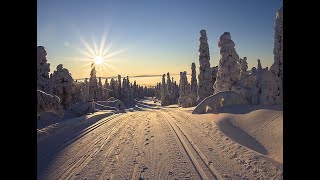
x,y
152,143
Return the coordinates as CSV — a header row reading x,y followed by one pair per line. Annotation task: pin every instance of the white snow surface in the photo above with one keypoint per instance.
x,y
155,142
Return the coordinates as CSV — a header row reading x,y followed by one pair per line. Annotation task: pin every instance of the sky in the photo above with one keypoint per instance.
x,y
150,37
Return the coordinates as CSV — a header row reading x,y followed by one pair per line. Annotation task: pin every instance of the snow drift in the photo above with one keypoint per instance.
x,y
259,128
215,102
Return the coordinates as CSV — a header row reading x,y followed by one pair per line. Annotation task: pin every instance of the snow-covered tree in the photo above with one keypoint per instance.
x,y
78,92
135,89
63,85
267,87
253,70
194,84
259,67
243,68
277,66
106,89
119,93
169,84
185,99
125,91
43,69
85,89
175,91
113,88
229,68
130,91
205,88
100,90
48,103
165,99
93,84
214,71
183,85
158,91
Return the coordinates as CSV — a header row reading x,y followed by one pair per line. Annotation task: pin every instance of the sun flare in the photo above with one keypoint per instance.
x,y
98,60
98,55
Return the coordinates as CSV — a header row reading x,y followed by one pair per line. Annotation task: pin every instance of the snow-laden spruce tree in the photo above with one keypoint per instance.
x,y
100,90
78,92
113,88
106,89
130,91
175,90
119,93
214,71
43,69
183,85
205,88
253,70
229,68
277,66
135,89
165,101
259,67
267,87
169,84
194,84
125,92
93,84
116,92
243,68
63,85
185,99
163,86
85,89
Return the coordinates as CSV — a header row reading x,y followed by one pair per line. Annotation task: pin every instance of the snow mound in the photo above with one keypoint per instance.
x,y
116,104
70,125
48,103
81,109
186,101
259,128
215,102
103,107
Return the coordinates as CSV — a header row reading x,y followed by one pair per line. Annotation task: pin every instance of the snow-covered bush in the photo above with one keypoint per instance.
x,y
48,103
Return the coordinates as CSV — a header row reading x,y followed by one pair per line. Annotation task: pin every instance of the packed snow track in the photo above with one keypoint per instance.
x,y
151,143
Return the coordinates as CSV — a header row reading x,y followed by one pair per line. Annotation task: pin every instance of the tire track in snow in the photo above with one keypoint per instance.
x,y
123,155
250,164
203,170
88,147
93,152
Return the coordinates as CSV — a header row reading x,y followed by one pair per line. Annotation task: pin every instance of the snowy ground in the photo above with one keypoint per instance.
x,y
153,142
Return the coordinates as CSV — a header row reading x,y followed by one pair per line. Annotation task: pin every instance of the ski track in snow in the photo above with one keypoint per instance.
x,y
164,143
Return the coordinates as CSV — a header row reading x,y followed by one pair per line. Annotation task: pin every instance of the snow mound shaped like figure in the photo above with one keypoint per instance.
x,y
48,103
214,102
117,104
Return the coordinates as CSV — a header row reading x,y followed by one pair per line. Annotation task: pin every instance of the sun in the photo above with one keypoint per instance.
x,y
98,55
98,60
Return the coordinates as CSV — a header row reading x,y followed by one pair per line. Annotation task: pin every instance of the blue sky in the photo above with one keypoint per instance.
x,y
156,36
